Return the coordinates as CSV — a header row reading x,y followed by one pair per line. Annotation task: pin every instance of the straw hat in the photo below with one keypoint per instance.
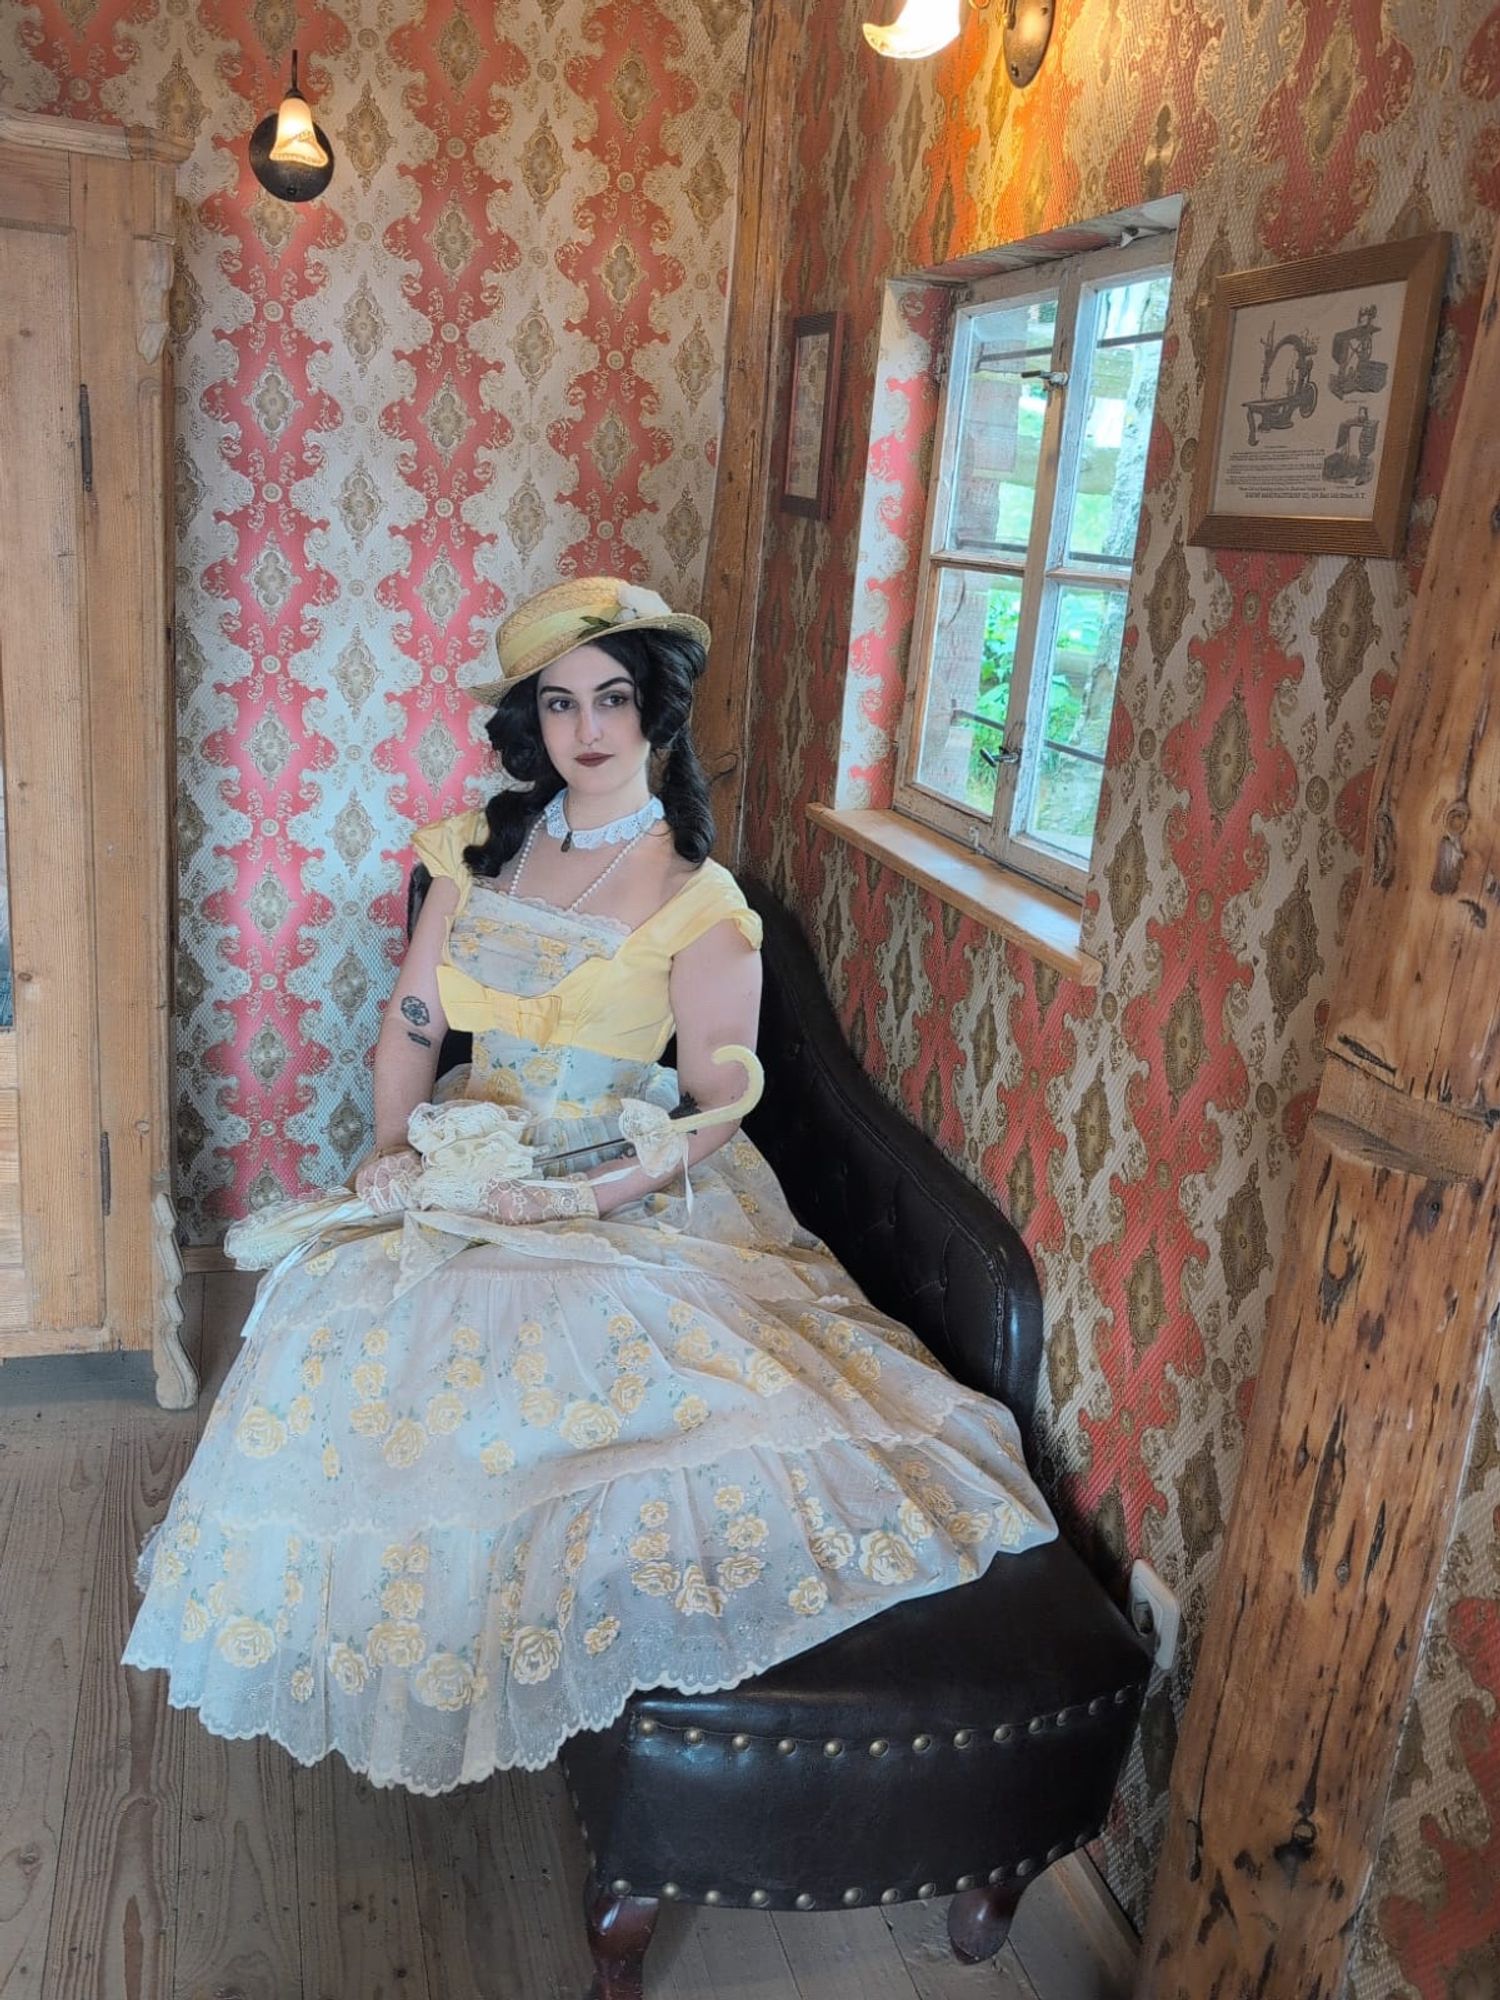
x,y
573,614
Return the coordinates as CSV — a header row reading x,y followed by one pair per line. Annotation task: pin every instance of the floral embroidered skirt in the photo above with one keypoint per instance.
x,y
440,1528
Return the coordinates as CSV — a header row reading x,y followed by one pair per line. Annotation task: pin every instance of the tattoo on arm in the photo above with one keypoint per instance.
x,y
422,1041
415,1011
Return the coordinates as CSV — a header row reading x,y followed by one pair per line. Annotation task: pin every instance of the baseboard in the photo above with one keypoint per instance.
x,y
205,1257
1071,1936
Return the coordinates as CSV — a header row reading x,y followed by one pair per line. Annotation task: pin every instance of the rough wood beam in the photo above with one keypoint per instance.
x,y
1378,1332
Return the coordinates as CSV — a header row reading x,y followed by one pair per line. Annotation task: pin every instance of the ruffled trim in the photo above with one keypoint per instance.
x,y
641,1680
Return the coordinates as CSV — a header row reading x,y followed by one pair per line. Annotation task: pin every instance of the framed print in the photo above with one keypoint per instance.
x,y
1314,398
807,475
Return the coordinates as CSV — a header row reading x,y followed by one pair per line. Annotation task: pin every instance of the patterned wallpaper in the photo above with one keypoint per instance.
x,y
1145,1135
491,353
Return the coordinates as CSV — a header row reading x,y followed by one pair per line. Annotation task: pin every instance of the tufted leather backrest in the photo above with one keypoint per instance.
x,y
917,1238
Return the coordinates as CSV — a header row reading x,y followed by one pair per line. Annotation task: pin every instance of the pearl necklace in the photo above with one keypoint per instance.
x,y
628,828
567,909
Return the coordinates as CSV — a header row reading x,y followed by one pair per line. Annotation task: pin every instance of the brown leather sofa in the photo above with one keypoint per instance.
x,y
955,1745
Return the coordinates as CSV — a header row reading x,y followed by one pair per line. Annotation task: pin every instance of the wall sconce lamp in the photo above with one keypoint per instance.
x,y
289,155
925,26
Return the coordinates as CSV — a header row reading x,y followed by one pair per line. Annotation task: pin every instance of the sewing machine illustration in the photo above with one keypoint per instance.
x,y
1300,397
1355,373
1352,459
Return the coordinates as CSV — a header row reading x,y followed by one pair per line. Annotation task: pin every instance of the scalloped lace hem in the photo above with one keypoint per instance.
x,y
590,1716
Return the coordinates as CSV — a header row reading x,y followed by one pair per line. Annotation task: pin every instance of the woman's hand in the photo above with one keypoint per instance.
x,y
538,1201
386,1182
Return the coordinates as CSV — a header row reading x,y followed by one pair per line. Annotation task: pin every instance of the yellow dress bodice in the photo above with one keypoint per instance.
x,y
578,980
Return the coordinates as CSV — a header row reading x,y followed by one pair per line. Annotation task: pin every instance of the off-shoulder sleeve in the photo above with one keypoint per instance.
x,y
440,847
713,897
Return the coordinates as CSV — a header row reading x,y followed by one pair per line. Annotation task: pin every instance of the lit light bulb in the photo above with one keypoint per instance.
x,y
296,143
920,29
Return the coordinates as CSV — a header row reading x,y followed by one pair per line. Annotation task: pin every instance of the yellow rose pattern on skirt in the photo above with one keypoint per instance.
x,y
443,1530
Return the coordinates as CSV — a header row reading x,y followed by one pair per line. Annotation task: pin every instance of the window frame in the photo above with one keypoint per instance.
x,y
1043,571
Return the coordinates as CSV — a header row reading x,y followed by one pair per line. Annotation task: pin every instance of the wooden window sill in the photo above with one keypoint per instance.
x,y
1039,920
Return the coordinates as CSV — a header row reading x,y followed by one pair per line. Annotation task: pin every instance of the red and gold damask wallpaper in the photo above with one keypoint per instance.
x,y
493,351
1144,1135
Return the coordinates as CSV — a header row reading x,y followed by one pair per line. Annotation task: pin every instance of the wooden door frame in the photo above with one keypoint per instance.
x,y
742,494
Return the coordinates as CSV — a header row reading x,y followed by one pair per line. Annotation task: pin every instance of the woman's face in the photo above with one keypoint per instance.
x,y
591,726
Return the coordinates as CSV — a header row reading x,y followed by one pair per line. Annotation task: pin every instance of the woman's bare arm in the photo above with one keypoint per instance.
x,y
715,993
411,1033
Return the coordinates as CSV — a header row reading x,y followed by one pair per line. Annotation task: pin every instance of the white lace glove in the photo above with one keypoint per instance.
x,y
537,1201
388,1183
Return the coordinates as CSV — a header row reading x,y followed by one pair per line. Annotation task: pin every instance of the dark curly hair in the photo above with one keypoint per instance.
x,y
663,666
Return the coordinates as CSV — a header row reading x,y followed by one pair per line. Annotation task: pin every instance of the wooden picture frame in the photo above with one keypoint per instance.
x,y
807,464
1314,398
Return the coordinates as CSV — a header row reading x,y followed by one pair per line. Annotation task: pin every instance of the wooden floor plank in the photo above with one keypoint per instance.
x,y
1072,1936
920,1933
46,1596
113,1926
237,1923
356,1890
703,1954
843,1955
500,1873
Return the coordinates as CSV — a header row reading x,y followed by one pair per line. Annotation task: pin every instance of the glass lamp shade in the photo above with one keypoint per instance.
x,y
289,155
296,143
920,29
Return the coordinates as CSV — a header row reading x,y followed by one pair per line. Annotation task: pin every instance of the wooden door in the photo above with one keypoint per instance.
x,y
52,1174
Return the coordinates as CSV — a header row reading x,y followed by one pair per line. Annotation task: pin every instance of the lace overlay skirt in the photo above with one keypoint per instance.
x,y
441,1530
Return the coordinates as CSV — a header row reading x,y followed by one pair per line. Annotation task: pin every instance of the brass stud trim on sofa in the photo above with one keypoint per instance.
x,y
852,1896
927,1890
833,1747
619,1887
1026,1867
890,1895
995,1875
712,1896
965,1882
804,1901
1000,1732
671,1891
760,1897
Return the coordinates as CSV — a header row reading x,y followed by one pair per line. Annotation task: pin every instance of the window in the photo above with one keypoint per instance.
x,y
1043,432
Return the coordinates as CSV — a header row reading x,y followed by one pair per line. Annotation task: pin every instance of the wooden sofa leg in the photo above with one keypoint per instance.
x,y
979,1921
620,1929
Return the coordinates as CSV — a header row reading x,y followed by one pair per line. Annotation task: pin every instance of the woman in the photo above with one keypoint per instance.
x,y
461,1494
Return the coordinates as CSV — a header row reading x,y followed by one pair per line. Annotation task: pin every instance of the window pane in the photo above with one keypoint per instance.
x,y
1067,802
1080,697
1121,372
1000,433
974,650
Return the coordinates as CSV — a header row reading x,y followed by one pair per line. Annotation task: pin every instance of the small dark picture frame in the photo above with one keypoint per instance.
x,y
807,467
1314,398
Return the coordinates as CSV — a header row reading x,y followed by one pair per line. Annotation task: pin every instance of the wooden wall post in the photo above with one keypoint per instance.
x,y
732,571
1378,1331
